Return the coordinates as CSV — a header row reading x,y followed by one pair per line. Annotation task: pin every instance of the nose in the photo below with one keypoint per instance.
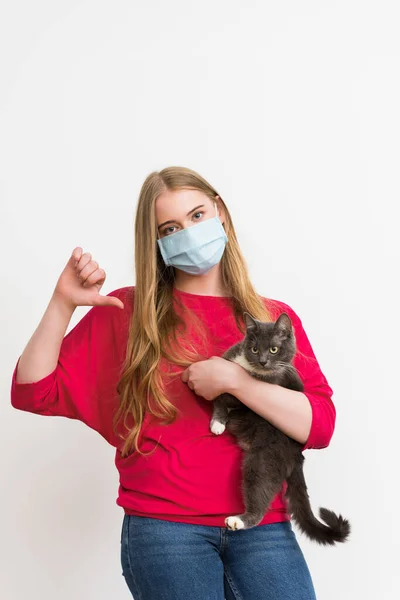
x,y
263,363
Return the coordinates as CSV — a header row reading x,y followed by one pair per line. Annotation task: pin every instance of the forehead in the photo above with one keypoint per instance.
x,y
175,204
264,331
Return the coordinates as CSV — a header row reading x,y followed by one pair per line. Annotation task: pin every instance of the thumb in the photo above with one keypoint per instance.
x,y
109,301
185,375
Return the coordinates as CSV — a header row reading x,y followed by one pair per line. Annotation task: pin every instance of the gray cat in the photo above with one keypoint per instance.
x,y
270,457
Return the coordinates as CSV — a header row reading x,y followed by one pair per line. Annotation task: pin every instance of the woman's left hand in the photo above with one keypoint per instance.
x,y
212,377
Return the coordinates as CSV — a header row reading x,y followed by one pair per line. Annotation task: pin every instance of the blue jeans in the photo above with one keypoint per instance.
x,y
166,560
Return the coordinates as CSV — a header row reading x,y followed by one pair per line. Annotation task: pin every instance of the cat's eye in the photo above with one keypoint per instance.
x,y
254,349
273,349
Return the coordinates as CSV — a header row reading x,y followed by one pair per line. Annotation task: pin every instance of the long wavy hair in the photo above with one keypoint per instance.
x,y
154,322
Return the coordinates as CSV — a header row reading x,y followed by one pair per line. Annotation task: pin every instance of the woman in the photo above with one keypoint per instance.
x,y
144,377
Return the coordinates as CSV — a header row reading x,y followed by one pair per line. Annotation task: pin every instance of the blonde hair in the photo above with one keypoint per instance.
x,y
154,321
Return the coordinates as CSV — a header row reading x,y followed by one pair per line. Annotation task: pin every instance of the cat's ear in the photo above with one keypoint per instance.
x,y
250,322
283,325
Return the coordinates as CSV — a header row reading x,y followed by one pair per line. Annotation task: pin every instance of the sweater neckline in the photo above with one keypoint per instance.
x,y
201,300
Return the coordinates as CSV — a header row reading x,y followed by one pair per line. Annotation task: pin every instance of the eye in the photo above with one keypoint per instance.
x,y
166,230
254,349
273,350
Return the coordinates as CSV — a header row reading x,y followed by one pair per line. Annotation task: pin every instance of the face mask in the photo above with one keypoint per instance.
x,y
195,249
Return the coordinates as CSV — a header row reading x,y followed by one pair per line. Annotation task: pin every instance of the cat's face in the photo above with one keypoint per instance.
x,y
268,345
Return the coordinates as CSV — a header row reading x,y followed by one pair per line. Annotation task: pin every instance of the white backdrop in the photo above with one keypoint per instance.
x,y
291,110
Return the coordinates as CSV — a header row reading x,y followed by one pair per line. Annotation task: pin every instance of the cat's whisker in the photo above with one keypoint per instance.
x,y
284,366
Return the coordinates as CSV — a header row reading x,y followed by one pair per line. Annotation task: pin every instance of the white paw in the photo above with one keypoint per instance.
x,y
234,523
217,427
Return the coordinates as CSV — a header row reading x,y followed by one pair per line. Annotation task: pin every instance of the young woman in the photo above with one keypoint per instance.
x,y
142,368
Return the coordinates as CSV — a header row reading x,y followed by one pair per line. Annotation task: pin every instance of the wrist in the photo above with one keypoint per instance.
x,y
238,377
62,305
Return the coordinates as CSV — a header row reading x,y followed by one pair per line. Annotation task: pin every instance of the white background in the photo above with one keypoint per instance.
x,y
291,110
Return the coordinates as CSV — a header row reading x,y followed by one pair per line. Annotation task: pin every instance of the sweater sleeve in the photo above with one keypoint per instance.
x,y
83,384
316,386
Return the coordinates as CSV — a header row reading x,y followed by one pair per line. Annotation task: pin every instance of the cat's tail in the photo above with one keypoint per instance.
x,y
336,529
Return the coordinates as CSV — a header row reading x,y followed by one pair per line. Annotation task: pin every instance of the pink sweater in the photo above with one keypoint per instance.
x,y
193,476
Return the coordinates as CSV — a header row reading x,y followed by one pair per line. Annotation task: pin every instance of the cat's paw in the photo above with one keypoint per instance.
x,y
217,428
234,523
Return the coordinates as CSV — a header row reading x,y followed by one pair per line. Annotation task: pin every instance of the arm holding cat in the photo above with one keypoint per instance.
x,y
309,416
288,410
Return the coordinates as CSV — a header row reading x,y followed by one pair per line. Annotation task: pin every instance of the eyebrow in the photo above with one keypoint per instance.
x,y
172,221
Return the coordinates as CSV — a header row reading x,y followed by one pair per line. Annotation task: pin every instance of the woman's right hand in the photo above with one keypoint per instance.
x,y
80,282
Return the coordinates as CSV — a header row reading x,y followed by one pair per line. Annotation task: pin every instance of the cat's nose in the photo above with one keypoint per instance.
x,y
263,363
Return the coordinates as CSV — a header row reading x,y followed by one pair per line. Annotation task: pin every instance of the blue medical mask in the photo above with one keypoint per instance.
x,y
195,249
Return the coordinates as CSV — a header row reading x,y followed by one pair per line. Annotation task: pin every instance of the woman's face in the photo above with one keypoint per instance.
x,y
178,209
